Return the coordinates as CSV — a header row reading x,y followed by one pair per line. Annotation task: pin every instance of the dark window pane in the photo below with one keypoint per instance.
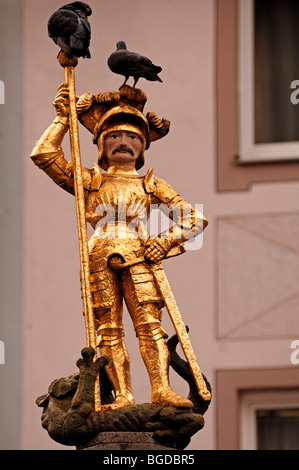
x,y
276,56
278,429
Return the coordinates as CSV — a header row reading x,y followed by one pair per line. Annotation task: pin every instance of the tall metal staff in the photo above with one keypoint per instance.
x,y
69,63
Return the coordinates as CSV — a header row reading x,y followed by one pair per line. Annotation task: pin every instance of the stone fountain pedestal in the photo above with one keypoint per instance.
x,y
123,441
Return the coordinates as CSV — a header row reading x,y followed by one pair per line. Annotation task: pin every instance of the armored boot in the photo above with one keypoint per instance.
x,y
155,355
118,369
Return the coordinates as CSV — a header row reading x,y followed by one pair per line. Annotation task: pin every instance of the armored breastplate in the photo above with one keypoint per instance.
x,y
121,206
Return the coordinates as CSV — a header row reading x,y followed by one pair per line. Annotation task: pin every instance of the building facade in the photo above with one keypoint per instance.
x,y
239,291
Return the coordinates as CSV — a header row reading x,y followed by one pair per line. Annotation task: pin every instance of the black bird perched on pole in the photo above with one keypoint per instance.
x,y
132,64
70,29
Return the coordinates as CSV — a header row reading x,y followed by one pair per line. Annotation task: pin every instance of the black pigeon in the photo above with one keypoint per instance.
x,y
70,29
131,64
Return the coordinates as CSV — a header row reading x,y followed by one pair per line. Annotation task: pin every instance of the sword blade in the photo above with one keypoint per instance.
x,y
175,316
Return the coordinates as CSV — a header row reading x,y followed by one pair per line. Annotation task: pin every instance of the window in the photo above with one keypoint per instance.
x,y
269,68
270,420
241,394
278,429
234,173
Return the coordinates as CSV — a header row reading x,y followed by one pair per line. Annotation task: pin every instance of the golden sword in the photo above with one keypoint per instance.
x,y
176,318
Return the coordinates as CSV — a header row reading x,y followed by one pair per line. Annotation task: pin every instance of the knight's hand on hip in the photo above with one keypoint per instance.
x,y
156,249
61,101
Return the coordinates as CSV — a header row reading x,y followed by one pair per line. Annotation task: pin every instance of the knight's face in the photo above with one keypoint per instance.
x,y
122,148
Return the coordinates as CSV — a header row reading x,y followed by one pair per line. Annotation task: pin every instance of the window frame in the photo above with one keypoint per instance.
x,y
231,173
266,400
249,150
231,384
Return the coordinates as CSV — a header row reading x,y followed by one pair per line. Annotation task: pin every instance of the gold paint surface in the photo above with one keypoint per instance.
x,y
121,262
180,329
81,222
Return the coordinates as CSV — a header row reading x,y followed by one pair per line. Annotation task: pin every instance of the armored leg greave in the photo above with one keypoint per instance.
x,y
118,369
155,355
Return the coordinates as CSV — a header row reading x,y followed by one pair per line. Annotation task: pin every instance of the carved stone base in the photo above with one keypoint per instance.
x,y
123,441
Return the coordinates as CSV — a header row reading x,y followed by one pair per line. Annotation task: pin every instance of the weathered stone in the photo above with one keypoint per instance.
x,y
70,419
124,441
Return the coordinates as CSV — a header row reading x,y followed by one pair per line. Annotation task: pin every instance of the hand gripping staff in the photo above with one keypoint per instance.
x,y
69,63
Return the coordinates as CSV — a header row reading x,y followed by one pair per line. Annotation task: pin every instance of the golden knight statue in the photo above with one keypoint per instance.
x,y
122,255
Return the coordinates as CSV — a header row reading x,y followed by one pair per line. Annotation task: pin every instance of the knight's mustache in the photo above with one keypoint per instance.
x,y
122,148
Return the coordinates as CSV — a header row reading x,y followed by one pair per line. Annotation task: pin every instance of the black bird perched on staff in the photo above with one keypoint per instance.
x,y
70,29
132,64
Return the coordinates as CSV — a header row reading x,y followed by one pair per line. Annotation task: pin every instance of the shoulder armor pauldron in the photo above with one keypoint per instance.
x,y
149,181
96,177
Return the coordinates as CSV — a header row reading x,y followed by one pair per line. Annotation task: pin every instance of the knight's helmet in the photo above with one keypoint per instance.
x,y
122,110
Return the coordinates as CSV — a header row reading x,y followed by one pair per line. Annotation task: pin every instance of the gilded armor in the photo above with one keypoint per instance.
x,y
118,206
